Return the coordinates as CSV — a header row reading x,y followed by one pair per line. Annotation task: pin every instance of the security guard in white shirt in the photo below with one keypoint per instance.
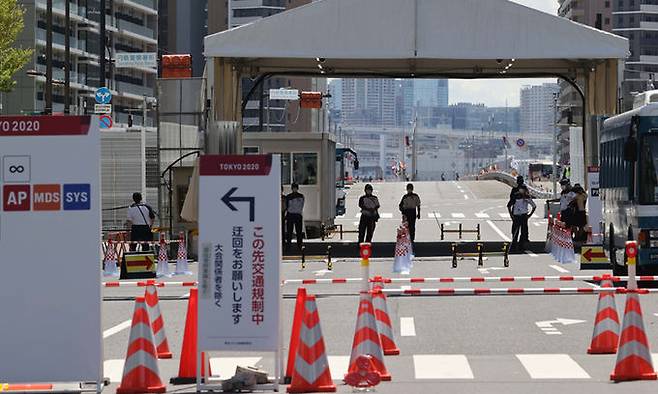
x,y
140,220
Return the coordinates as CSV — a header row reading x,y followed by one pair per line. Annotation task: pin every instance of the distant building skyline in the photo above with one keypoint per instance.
x,y
538,107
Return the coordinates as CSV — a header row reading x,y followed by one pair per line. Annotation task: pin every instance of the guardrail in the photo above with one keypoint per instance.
x,y
510,180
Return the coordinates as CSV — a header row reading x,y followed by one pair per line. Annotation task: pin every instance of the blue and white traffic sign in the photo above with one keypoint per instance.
x,y
520,142
103,95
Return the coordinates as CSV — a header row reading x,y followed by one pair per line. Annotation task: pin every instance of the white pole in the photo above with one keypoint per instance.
x,y
554,134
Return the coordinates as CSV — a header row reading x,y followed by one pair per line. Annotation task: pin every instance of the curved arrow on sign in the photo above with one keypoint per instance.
x,y
228,199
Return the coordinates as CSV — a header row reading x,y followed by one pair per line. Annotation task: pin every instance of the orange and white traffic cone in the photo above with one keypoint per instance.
x,y
187,367
163,259
366,338
384,327
311,374
110,260
294,335
181,258
157,321
140,371
633,357
605,337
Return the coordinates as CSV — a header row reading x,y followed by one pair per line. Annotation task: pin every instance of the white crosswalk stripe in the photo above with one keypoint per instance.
x,y
504,215
458,215
434,215
444,366
482,215
552,366
386,216
448,366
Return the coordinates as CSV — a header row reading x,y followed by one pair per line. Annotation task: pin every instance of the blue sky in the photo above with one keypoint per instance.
x,y
497,92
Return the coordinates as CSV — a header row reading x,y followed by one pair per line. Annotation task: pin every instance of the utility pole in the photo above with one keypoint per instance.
x,y
102,43
414,151
554,135
67,57
48,110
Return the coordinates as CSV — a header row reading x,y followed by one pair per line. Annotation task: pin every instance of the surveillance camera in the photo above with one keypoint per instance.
x,y
321,59
499,61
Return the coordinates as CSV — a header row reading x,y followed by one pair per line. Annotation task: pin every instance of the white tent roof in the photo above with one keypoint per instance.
x,y
416,36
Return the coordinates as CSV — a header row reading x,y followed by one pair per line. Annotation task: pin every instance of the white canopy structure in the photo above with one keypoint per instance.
x,y
416,39
472,38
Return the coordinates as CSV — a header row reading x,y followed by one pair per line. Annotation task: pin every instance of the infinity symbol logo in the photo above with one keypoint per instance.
x,y
16,169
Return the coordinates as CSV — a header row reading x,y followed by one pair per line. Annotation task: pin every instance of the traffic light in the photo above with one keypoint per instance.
x,y
130,120
356,164
406,140
177,66
310,100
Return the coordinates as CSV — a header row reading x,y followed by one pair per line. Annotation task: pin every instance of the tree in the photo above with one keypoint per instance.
x,y
12,58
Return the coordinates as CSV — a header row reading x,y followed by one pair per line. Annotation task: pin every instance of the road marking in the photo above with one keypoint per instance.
x,y
547,325
434,215
225,366
113,370
116,329
355,223
465,197
358,215
445,366
504,215
552,366
386,215
458,215
404,288
482,215
531,254
497,230
407,327
338,366
537,224
559,269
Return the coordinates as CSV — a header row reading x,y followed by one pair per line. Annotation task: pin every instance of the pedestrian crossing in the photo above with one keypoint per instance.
x,y
512,367
453,215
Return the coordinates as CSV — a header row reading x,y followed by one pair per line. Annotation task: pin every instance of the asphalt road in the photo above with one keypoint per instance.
x,y
455,344
450,203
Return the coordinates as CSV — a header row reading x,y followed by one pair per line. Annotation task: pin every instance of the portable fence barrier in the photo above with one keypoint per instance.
x,y
479,254
327,258
460,231
329,231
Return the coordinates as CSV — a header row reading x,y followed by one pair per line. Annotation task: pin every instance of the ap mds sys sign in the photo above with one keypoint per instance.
x,y
240,244
50,243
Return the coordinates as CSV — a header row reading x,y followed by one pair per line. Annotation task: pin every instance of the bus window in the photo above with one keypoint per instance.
x,y
648,166
305,168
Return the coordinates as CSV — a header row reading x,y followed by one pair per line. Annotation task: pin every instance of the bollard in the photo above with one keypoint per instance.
x,y
631,261
506,254
330,265
454,255
478,228
480,258
441,231
460,231
303,258
365,251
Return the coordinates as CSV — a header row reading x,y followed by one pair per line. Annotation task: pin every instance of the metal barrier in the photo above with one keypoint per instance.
x,y
302,257
328,231
460,231
479,254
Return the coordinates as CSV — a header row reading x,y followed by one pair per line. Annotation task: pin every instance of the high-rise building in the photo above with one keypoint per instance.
x,y
132,26
368,102
404,102
595,13
537,108
262,114
430,92
182,25
637,20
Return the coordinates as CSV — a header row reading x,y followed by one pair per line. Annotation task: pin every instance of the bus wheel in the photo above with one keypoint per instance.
x,y
617,270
